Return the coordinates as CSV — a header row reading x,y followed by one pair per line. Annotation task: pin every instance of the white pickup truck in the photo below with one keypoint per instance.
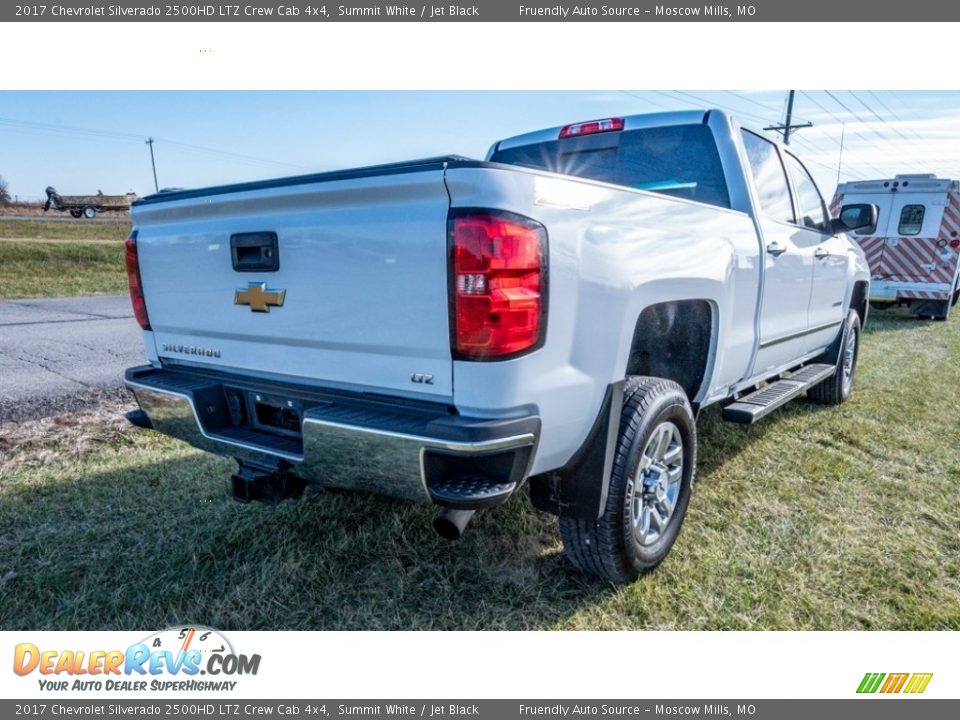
x,y
448,330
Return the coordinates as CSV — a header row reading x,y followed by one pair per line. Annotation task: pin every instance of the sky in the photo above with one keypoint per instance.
x,y
83,141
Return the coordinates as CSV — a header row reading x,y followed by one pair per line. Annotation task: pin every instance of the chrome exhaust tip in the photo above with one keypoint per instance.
x,y
451,524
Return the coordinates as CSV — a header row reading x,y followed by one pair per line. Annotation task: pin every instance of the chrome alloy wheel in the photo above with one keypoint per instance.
x,y
849,356
656,486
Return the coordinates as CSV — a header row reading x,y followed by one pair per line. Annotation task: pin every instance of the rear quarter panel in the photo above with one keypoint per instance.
x,y
612,252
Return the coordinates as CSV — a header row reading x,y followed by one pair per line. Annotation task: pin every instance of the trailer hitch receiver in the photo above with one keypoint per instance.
x,y
264,484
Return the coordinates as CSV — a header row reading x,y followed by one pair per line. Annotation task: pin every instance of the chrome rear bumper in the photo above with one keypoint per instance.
x,y
390,448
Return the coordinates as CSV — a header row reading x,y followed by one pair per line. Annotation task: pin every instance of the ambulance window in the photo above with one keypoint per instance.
x,y
911,220
813,213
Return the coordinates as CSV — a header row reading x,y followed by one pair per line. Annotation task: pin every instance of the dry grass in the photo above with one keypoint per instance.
x,y
56,268
116,230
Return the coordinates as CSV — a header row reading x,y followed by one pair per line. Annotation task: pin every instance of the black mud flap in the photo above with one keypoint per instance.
x,y
579,489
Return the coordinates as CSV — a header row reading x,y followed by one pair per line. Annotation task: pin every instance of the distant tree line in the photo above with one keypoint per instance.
x,y
4,192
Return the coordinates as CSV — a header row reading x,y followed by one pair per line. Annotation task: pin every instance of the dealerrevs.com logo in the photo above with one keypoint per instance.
x,y
172,659
892,683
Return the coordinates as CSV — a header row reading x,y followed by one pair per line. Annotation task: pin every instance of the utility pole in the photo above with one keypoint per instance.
x,y
153,163
787,128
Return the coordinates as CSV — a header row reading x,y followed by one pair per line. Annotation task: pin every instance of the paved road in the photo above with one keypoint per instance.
x,y
62,353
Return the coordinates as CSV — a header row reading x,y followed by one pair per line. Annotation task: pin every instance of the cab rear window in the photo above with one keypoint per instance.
x,y
677,160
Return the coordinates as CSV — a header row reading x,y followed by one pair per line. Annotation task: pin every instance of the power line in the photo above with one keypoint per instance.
x,y
874,113
750,100
840,103
739,112
803,141
68,130
883,121
901,101
708,103
894,115
768,108
861,120
646,100
854,132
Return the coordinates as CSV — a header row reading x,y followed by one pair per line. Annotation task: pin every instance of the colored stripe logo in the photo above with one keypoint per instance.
x,y
913,683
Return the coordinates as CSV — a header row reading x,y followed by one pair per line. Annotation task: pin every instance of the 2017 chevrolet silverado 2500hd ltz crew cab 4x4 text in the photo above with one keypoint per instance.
x,y
448,330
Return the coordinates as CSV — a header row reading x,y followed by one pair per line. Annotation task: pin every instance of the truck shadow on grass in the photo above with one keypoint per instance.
x,y
159,543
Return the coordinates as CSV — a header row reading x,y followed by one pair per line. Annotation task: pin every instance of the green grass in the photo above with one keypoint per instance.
x,y
816,518
60,268
72,230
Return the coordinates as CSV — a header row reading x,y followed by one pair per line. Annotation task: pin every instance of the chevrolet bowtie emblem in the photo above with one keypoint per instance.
x,y
258,297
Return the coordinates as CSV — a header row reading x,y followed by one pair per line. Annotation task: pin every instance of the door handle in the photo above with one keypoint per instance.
x,y
776,249
821,253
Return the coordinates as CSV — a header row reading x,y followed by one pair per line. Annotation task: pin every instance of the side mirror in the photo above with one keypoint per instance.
x,y
862,216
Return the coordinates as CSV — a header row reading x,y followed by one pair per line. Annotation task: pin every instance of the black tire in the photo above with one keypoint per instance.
x,y
609,547
946,306
76,213
834,390
877,305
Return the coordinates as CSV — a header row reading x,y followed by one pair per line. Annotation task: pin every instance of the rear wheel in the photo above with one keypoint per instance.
x,y
945,307
837,388
650,486
956,293
89,212
76,213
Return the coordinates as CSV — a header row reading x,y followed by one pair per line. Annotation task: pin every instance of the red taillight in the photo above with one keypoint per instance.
x,y
498,284
133,280
955,244
592,128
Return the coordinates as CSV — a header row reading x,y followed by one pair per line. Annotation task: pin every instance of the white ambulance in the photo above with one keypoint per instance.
x,y
914,250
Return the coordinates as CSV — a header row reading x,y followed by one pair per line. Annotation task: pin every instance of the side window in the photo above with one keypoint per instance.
x,y
911,220
768,175
813,213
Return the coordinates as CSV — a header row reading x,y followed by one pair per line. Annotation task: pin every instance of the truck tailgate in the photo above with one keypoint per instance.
x,y
362,278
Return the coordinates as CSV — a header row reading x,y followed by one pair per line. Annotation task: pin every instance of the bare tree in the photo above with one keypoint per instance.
x,y
4,192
